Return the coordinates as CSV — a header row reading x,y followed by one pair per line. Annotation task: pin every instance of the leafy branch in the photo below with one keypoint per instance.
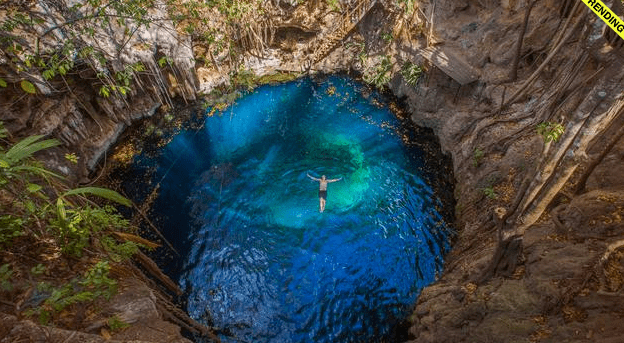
x,y
550,131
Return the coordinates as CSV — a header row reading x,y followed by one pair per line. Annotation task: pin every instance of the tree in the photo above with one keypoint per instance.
x,y
45,44
559,159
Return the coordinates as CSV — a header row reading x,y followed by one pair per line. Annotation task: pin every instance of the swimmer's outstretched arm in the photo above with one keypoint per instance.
x,y
334,180
313,178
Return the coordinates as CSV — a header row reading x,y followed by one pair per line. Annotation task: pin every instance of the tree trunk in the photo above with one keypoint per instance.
x,y
557,165
580,185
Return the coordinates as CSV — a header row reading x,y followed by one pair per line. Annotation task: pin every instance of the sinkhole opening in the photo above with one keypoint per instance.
x,y
256,258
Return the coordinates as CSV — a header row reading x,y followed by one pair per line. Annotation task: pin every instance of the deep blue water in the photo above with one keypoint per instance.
x,y
259,260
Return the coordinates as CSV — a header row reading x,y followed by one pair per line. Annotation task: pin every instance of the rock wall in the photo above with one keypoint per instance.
x,y
71,107
566,286
136,304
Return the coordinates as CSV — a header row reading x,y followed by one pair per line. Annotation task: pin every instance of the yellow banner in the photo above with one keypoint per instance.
x,y
614,22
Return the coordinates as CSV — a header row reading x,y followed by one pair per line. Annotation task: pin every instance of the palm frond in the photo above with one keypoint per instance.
x,y
100,192
37,171
27,147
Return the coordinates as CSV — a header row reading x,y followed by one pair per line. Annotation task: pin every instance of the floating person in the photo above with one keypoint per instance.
x,y
323,189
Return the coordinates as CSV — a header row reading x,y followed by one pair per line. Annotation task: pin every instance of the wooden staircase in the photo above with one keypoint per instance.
x,y
325,44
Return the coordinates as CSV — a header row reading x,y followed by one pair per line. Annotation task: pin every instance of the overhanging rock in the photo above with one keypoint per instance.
x,y
451,64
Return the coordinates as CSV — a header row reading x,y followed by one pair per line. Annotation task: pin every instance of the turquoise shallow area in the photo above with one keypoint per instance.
x,y
260,262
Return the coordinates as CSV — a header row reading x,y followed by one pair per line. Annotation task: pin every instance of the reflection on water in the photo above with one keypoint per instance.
x,y
261,263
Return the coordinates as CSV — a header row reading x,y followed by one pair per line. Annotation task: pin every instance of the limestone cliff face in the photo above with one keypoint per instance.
x,y
72,108
564,285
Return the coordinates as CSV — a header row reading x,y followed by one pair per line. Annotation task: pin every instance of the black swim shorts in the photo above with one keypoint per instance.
x,y
323,194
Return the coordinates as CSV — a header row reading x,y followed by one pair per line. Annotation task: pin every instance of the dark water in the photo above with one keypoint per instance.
x,y
259,260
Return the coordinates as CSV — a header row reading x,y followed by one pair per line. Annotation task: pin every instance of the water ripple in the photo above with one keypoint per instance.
x,y
262,263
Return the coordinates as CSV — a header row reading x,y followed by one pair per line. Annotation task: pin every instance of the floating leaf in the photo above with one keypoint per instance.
x,y
28,87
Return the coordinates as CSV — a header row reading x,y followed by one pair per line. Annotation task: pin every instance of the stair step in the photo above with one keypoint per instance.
x,y
327,44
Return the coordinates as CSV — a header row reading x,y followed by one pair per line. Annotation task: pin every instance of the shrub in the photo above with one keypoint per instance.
x,y
489,192
477,156
550,131
379,75
411,73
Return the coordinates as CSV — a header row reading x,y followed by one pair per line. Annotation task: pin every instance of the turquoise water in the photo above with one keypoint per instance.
x,y
260,262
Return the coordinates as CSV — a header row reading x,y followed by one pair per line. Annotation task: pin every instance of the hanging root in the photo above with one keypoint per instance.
x,y
153,269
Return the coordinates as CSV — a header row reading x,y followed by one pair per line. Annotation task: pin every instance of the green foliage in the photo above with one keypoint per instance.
x,y
411,73
75,226
361,53
94,284
17,168
120,84
379,75
243,78
16,164
387,36
38,269
165,61
276,78
477,156
71,157
60,222
489,192
3,83
409,5
76,47
334,5
5,276
105,91
118,252
3,132
10,228
25,148
96,279
550,131
116,324
100,192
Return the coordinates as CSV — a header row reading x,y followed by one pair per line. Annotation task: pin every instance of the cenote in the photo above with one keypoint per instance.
x,y
257,260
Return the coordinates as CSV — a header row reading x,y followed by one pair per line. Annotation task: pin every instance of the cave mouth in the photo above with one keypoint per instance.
x,y
257,259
